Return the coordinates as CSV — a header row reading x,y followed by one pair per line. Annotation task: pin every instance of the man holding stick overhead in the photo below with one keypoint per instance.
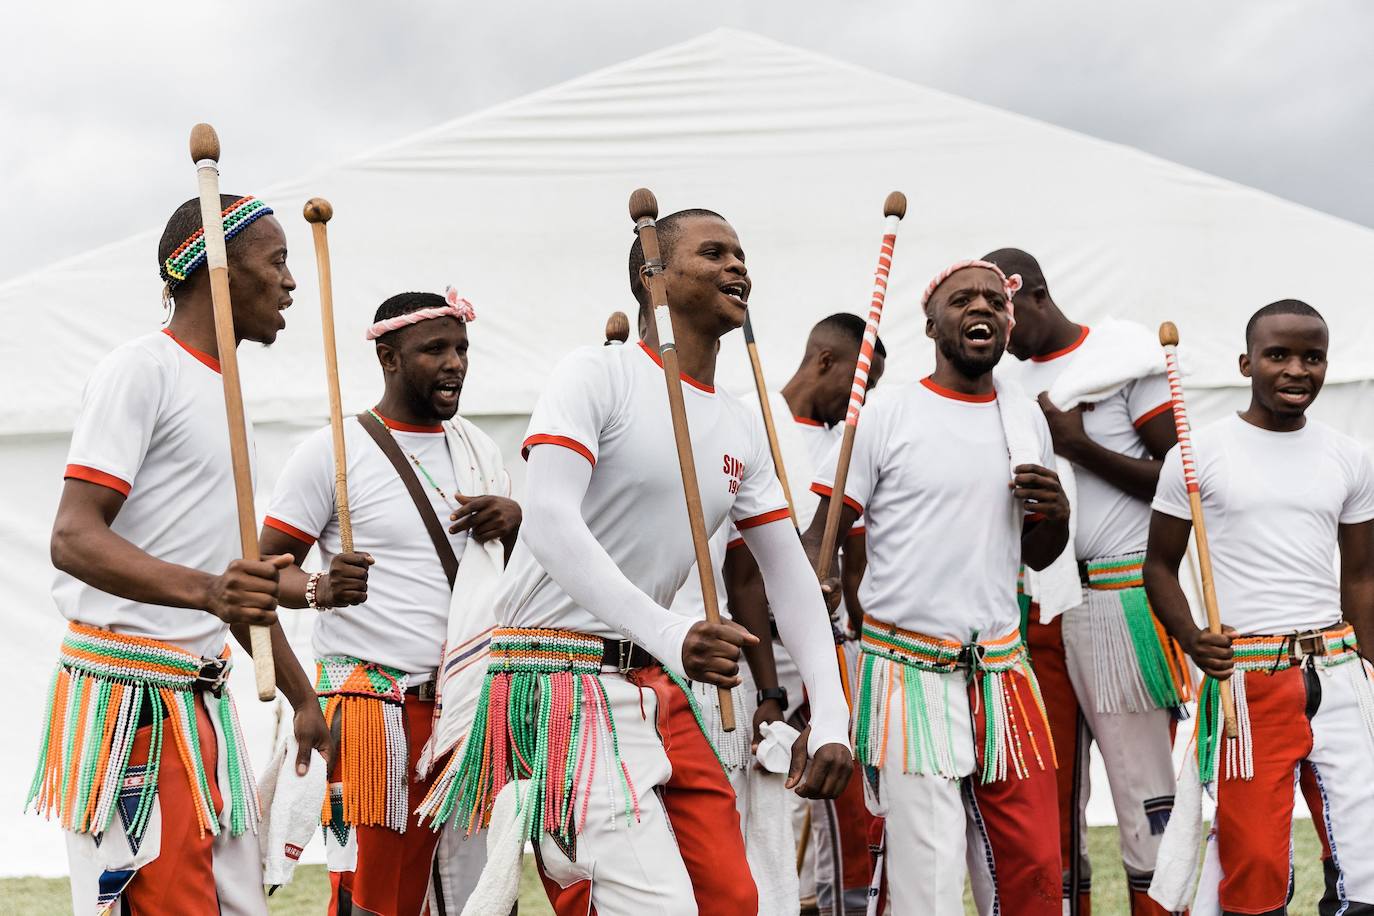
x,y
142,749
587,712
948,717
1108,672
1280,494
382,629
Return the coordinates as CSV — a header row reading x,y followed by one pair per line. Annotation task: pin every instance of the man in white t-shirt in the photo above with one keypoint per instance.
x,y
1281,495
586,701
951,475
142,759
1108,672
380,634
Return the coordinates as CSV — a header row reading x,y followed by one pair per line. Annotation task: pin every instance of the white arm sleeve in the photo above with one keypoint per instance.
x,y
794,596
559,539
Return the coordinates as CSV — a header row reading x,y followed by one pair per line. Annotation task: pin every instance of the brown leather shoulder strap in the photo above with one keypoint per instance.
x,y
382,436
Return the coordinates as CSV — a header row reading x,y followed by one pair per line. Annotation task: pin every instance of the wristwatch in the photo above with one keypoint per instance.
x,y
774,693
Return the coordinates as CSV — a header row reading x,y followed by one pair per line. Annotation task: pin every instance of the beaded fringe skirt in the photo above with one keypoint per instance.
x,y
368,701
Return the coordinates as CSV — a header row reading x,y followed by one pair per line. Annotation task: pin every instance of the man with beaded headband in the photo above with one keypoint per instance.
x,y
588,741
1107,670
143,759
393,640
950,476
1283,496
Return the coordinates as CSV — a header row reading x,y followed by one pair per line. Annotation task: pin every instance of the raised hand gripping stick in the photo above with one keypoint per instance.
x,y
1168,338
644,210
894,208
205,154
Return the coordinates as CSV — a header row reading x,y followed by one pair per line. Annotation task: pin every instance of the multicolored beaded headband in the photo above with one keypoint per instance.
x,y
1009,284
190,254
453,307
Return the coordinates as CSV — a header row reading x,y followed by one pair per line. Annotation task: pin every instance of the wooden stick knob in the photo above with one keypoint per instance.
x,y
318,210
204,143
643,205
895,205
617,328
1168,334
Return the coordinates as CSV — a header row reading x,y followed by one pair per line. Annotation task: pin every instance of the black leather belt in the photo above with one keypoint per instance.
x,y
213,674
1083,572
624,655
425,691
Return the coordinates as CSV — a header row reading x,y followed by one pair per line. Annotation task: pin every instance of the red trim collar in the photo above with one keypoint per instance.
x,y
953,395
658,361
400,427
205,358
807,421
1082,336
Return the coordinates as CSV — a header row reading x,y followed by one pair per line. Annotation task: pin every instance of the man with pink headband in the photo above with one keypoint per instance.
x,y
951,475
1107,670
429,503
143,760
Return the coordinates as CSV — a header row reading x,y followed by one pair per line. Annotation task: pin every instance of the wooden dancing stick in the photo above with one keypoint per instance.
x,y
318,213
617,328
1168,338
767,410
644,211
205,154
894,208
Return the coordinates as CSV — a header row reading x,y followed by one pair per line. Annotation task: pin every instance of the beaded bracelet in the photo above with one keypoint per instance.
x,y
311,587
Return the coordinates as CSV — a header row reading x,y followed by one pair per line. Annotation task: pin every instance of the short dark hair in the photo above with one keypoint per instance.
x,y
404,304
669,228
850,327
1281,307
185,222
1016,261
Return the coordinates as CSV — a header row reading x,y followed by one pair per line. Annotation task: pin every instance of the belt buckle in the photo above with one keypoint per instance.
x,y
1308,645
429,690
624,655
213,674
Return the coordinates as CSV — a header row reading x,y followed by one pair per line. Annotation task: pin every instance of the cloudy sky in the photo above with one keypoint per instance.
x,y
96,99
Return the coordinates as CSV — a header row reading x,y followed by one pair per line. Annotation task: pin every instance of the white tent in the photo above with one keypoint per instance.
x,y
522,207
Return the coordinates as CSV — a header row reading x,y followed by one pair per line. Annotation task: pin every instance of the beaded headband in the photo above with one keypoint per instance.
x,y
453,307
1009,284
190,254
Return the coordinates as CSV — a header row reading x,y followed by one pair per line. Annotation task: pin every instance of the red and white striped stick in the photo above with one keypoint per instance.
x,y
894,208
1168,338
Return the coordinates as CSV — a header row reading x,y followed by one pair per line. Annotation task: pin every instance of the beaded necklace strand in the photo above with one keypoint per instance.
x,y
421,468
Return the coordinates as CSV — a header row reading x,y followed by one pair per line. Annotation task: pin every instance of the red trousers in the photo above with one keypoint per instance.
x,y
392,874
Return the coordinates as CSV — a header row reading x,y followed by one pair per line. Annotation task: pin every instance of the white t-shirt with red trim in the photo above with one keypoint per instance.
x,y
152,426
931,474
404,621
1110,521
1274,503
609,405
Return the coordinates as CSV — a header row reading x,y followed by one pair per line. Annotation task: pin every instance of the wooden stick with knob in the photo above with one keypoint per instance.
x,y
644,210
205,154
1168,339
318,213
767,409
894,208
617,328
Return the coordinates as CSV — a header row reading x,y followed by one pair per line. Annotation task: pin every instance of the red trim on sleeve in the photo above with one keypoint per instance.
x,y
1082,336
544,439
953,395
857,531
821,489
288,529
775,516
658,360
1149,415
91,475
734,542
205,358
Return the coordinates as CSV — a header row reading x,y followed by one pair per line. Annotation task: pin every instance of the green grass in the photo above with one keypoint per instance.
x,y
308,893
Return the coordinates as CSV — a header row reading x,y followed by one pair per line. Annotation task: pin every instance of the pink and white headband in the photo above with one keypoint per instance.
x,y
1009,284
453,307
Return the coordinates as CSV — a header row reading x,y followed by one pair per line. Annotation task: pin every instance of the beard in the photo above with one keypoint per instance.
x,y
967,365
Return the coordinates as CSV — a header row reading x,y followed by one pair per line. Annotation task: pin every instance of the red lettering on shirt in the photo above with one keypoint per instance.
x,y
734,469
